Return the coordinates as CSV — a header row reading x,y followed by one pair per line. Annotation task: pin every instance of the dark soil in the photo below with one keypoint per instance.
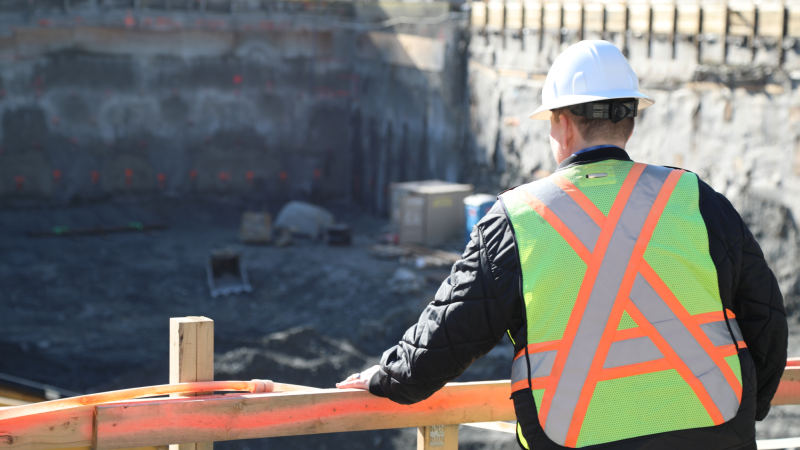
x,y
91,314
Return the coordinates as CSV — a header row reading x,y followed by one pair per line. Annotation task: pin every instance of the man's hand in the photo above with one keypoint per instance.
x,y
358,380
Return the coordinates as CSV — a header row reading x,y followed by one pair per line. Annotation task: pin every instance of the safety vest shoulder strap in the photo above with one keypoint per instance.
x,y
618,280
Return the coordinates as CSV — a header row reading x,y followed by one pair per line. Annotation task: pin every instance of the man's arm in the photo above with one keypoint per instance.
x,y
471,312
749,288
760,313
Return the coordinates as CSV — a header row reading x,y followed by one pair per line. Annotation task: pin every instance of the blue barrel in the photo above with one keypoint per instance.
x,y
476,206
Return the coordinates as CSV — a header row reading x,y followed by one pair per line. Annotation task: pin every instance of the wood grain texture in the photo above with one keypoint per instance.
x,y
249,416
437,437
789,390
191,359
57,429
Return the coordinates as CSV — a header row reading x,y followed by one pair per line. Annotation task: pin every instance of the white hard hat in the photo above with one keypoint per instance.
x,y
589,71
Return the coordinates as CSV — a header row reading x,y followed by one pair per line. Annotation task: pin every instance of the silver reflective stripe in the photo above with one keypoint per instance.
x,y
737,333
680,339
601,301
631,351
717,333
519,370
567,210
541,365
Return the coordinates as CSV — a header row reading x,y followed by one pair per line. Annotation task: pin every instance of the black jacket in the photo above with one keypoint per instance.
x,y
481,299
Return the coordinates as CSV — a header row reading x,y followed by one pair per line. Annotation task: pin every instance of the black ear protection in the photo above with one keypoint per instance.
x,y
616,110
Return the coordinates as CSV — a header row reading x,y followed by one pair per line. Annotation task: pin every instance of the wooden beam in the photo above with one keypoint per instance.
x,y
191,359
504,427
45,431
163,421
434,436
249,416
789,390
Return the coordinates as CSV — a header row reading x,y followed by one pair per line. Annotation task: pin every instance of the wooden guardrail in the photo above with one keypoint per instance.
x,y
184,420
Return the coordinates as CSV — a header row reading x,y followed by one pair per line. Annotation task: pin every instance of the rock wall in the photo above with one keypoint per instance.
x,y
274,101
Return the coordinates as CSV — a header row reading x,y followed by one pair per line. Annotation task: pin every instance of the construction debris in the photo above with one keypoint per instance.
x,y
304,219
256,228
226,273
338,234
416,255
63,231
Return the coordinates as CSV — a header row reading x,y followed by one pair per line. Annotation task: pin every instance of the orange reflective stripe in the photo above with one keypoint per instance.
x,y
587,284
555,222
540,347
636,259
536,383
519,385
580,198
630,333
730,349
676,362
635,369
539,383
713,316
677,308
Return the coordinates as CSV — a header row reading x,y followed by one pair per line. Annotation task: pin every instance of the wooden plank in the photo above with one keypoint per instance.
x,y
573,16
793,25
639,19
533,15
494,13
513,15
250,416
593,15
663,18
715,19
741,19
478,15
770,20
789,390
52,430
688,19
435,436
552,16
503,427
616,17
191,359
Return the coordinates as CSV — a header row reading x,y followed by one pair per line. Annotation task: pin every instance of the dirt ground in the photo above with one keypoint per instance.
x,y
91,314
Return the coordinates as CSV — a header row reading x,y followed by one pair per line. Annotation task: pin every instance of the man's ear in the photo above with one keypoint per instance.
x,y
569,130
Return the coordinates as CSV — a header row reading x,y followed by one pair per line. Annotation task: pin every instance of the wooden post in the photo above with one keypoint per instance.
x,y
191,358
437,437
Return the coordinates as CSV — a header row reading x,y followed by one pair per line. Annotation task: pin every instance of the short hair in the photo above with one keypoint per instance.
x,y
596,129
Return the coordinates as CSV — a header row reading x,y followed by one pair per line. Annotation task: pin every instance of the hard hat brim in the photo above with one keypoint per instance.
x,y
543,113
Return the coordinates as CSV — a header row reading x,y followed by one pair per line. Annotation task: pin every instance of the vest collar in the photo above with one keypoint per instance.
x,y
591,155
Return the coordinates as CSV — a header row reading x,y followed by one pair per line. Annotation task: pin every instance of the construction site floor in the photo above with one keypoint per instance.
x,y
91,314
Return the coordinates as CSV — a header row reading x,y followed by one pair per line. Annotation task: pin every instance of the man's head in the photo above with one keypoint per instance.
x,y
570,133
597,75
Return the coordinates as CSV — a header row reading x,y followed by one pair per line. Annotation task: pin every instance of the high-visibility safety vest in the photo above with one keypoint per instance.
x,y
626,332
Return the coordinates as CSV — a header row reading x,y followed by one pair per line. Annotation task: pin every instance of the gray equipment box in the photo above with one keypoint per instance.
x,y
428,212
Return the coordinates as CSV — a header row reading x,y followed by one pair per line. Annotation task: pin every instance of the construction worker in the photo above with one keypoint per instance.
x,y
641,309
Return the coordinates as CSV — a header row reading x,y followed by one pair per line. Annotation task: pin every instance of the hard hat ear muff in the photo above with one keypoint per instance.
x,y
615,110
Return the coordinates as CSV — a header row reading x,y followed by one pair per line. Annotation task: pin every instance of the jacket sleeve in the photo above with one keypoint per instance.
x,y
471,312
747,282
